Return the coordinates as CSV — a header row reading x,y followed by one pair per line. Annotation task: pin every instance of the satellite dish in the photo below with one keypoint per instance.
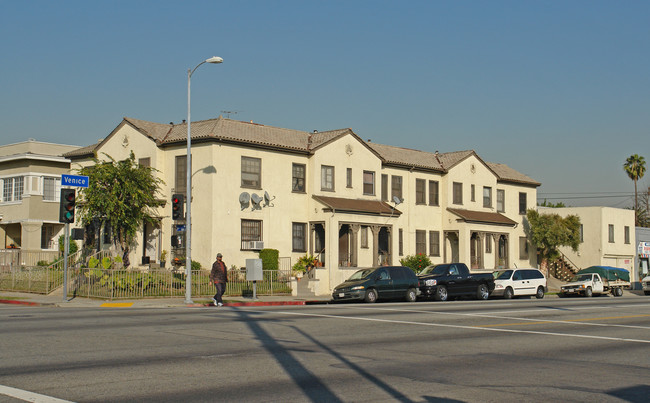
x,y
256,200
244,200
396,200
267,198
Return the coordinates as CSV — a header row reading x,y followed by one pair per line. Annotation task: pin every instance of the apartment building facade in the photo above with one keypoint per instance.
x,y
349,202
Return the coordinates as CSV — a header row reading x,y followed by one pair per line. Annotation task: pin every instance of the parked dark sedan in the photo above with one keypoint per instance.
x,y
372,284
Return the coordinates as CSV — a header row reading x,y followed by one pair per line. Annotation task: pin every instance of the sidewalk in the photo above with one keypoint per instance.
x,y
54,300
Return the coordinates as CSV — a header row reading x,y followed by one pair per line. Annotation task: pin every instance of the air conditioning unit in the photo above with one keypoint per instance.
x,y
252,245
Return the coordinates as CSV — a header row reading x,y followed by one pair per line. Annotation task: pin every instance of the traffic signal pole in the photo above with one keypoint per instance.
x,y
66,251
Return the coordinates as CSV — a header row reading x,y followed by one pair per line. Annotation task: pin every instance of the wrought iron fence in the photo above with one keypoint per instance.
x,y
132,284
34,278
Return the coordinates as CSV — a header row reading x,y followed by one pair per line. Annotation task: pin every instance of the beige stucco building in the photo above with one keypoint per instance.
x,y
606,235
30,174
352,203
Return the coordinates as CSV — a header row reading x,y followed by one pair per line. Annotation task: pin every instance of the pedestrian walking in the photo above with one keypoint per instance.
x,y
219,277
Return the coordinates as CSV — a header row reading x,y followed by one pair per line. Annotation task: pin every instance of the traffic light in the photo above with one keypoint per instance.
x,y
67,205
177,206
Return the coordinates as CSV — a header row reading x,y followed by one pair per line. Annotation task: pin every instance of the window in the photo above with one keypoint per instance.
x,y
582,233
472,193
420,242
384,187
299,237
433,193
327,178
145,162
47,236
251,230
364,236
434,243
12,189
251,172
611,233
420,191
401,242
180,177
458,193
522,203
348,178
368,183
298,178
501,201
396,186
627,235
50,186
487,196
523,248
488,244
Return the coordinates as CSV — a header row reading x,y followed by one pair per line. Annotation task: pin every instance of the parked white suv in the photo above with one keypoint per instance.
x,y
515,282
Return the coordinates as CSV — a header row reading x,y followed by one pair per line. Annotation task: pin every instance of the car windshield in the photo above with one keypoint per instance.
x,y
439,269
582,277
359,274
504,275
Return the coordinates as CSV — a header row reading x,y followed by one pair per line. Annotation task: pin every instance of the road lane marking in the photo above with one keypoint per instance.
x,y
533,321
491,329
578,321
116,305
29,396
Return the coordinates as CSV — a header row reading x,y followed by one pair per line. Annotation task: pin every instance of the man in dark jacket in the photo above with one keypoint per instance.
x,y
219,277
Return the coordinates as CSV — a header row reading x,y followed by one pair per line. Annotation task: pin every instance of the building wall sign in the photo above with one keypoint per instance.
x,y
644,249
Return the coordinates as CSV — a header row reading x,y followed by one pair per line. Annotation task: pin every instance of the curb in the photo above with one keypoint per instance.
x,y
17,302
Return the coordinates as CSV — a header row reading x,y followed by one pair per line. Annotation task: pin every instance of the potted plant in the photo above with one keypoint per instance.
x,y
163,258
303,264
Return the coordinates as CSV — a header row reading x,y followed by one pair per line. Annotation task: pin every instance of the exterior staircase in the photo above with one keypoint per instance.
x,y
303,289
562,269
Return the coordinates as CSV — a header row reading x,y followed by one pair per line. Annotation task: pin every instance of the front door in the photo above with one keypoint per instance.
x,y
344,246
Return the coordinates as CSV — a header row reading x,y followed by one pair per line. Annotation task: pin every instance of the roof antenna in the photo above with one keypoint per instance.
x,y
228,113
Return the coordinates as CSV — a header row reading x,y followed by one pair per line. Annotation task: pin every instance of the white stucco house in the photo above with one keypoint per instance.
x,y
351,203
606,234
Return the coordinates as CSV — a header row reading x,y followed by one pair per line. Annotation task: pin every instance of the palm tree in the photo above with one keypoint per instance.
x,y
635,168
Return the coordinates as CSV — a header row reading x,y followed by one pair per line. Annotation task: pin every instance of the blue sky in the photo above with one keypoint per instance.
x,y
559,90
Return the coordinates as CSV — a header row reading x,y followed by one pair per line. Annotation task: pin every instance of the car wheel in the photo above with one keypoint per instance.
x,y
482,292
441,294
411,295
371,296
618,292
646,292
540,293
507,294
589,292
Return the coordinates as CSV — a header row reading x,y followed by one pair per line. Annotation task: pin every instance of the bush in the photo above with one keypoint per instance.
x,y
416,262
196,265
73,246
42,263
303,262
270,258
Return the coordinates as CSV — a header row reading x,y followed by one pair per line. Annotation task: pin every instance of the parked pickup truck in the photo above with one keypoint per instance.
x,y
454,279
596,280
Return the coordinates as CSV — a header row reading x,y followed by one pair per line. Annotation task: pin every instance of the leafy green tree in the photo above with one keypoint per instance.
x,y
551,204
550,231
123,194
416,262
635,168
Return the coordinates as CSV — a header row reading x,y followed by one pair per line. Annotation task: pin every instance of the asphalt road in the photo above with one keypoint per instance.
x,y
577,349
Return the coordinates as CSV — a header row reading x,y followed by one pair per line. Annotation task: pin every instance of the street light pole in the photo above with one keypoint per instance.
x,y
188,223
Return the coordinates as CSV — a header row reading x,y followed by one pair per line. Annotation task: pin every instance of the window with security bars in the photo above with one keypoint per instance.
x,y
420,242
457,193
368,183
396,186
50,186
327,177
251,172
299,237
251,230
298,178
434,243
420,191
433,193
12,189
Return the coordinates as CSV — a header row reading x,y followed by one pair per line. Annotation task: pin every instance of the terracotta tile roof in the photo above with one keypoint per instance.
x,y
407,157
508,174
357,206
483,217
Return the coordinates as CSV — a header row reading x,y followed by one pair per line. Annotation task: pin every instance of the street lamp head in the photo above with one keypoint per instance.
x,y
215,60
